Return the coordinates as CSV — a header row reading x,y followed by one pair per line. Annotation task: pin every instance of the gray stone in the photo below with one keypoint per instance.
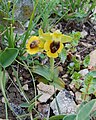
x,y
23,10
65,102
84,33
83,72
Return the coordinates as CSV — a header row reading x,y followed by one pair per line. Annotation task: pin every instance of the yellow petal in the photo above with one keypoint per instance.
x,y
44,36
66,38
32,39
56,36
40,32
47,45
53,55
33,51
60,48
41,45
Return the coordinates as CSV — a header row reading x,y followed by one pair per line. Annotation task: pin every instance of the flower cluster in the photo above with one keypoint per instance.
x,y
52,43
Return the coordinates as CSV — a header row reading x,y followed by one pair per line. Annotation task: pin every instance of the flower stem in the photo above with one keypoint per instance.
x,y
52,66
4,94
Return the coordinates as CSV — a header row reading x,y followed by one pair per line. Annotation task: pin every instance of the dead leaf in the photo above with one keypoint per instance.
x,y
46,90
86,44
65,76
92,59
60,68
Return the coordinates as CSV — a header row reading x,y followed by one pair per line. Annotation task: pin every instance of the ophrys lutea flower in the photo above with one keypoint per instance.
x,y
53,48
54,45
34,45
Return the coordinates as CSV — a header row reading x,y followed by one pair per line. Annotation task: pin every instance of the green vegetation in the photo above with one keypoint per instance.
x,y
25,45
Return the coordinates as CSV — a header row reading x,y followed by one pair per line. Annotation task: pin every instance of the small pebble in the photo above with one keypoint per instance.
x,y
3,100
25,87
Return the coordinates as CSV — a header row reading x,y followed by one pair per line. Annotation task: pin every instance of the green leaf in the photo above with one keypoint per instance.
x,y
81,105
3,79
39,118
86,61
8,56
57,117
92,73
31,107
58,83
25,105
76,63
10,37
76,76
63,55
76,35
42,79
88,118
70,117
85,111
53,80
88,80
43,71
74,43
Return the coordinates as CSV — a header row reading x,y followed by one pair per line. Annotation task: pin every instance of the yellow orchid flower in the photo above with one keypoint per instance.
x,y
34,45
58,36
44,36
53,42
53,48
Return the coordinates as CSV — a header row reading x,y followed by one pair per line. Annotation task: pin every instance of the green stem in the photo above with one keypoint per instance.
x,y
22,91
6,108
25,65
4,94
56,101
32,78
86,94
52,66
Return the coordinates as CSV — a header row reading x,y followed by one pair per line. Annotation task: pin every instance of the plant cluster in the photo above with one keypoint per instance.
x,y
25,49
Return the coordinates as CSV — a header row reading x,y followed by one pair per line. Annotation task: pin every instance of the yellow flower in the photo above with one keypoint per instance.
x,y
53,42
34,45
53,48
57,35
44,36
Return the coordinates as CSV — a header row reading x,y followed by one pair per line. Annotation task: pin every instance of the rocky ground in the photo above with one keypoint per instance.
x,y
85,46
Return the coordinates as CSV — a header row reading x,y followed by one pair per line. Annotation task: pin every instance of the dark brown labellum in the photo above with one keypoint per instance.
x,y
54,46
34,44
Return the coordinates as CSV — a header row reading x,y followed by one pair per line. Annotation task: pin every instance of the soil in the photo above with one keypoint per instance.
x,y
14,94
